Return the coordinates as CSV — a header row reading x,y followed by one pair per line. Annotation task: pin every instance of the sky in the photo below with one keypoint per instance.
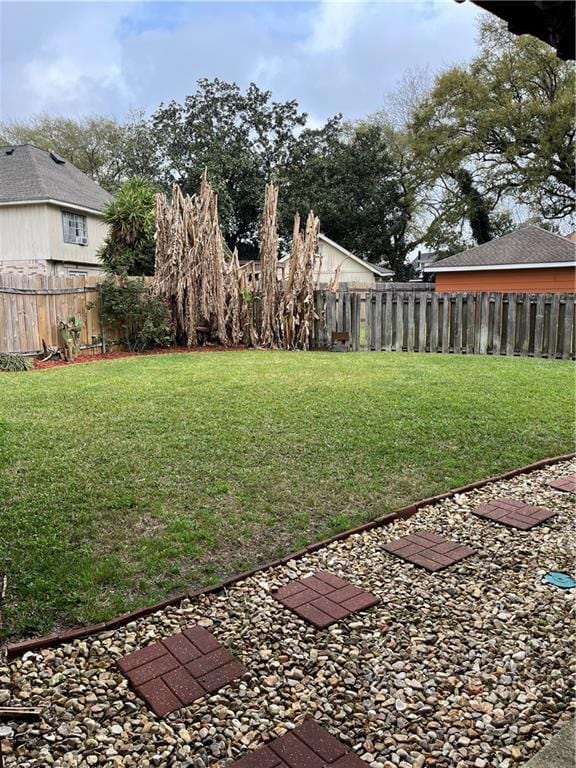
x,y
112,58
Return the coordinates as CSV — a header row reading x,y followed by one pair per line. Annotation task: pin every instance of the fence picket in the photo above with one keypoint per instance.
x,y
457,325
354,320
434,323
399,338
539,325
369,319
553,328
410,322
497,336
378,322
387,330
567,327
422,325
446,309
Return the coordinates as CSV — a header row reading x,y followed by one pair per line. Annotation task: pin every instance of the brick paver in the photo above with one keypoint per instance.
x,y
429,550
514,513
307,746
324,598
180,669
566,483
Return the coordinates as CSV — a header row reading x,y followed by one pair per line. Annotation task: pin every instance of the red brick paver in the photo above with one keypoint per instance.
x,y
307,746
180,669
566,483
324,598
429,550
516,514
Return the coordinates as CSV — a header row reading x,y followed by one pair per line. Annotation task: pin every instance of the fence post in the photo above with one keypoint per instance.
x,y
102,333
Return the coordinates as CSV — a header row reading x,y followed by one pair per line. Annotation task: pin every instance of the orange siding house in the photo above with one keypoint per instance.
x,y
529,260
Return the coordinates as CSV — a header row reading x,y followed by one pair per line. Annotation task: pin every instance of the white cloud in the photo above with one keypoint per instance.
x,y
89,57
332,25
64,57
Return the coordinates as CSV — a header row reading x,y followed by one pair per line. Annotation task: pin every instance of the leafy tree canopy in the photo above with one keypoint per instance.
x,y
242,138
353,184
500,129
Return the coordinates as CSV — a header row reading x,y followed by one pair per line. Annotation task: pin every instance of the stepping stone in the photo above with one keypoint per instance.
x,y
307,746
429,550
514,513
324,598
566,483
180,669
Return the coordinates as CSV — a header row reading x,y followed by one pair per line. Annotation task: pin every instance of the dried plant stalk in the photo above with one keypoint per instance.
x,y
297,304
211,297
270,331
190,270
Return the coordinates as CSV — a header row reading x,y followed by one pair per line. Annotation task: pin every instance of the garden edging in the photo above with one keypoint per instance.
x,y
13,650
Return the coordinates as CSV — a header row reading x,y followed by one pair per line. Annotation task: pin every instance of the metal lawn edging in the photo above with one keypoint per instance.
x,y
12,650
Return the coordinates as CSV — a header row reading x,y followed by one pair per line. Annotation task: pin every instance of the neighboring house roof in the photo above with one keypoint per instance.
x,y
375,268
29,174
424,257
526,248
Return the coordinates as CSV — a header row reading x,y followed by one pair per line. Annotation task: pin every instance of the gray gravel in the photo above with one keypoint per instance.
x,y
469,667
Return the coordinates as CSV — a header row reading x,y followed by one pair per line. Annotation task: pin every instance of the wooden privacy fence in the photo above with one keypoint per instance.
x,y
31,307
539,325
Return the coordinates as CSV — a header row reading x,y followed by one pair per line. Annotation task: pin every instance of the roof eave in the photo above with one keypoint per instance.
x,y
494,267
50,201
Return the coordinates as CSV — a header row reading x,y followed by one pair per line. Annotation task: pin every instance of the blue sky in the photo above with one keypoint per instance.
x,y
81,58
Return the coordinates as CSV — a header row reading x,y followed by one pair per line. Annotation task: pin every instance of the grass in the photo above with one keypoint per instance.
x,y
124,481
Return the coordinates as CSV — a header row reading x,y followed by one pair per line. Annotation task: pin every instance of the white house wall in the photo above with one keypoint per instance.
x,y
23,234
351,271
70,252
32,242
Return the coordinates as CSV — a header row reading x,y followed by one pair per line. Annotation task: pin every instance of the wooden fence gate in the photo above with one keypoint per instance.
x,y
538,325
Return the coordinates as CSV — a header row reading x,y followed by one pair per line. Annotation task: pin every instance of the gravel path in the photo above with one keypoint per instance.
x,y
469,667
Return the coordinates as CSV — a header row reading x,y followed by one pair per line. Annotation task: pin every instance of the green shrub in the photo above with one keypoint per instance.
x,y
129,246
9,362
143,319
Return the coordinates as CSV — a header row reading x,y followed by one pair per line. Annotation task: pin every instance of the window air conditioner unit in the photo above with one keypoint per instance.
x,y
82,241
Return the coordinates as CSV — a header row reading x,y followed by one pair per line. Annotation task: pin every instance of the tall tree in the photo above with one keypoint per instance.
x,y
242,138
498,130
355,188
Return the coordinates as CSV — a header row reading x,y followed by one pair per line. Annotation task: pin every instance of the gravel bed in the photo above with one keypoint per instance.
x,y
470,667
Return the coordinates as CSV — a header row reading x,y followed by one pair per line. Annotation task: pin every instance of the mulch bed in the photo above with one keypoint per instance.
x,y
99,357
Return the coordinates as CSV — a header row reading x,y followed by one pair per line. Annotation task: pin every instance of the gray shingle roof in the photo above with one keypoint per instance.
x,y
28,173
527,245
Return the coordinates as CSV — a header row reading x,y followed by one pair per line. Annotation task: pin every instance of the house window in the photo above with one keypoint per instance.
x,y
75,228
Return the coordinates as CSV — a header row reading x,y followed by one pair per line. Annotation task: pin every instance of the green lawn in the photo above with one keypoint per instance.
x,y
124,481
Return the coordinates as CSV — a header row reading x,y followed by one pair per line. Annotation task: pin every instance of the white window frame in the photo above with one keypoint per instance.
x,y
74,228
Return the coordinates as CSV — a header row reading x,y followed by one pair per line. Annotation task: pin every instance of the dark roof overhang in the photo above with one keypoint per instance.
x,y
552,22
